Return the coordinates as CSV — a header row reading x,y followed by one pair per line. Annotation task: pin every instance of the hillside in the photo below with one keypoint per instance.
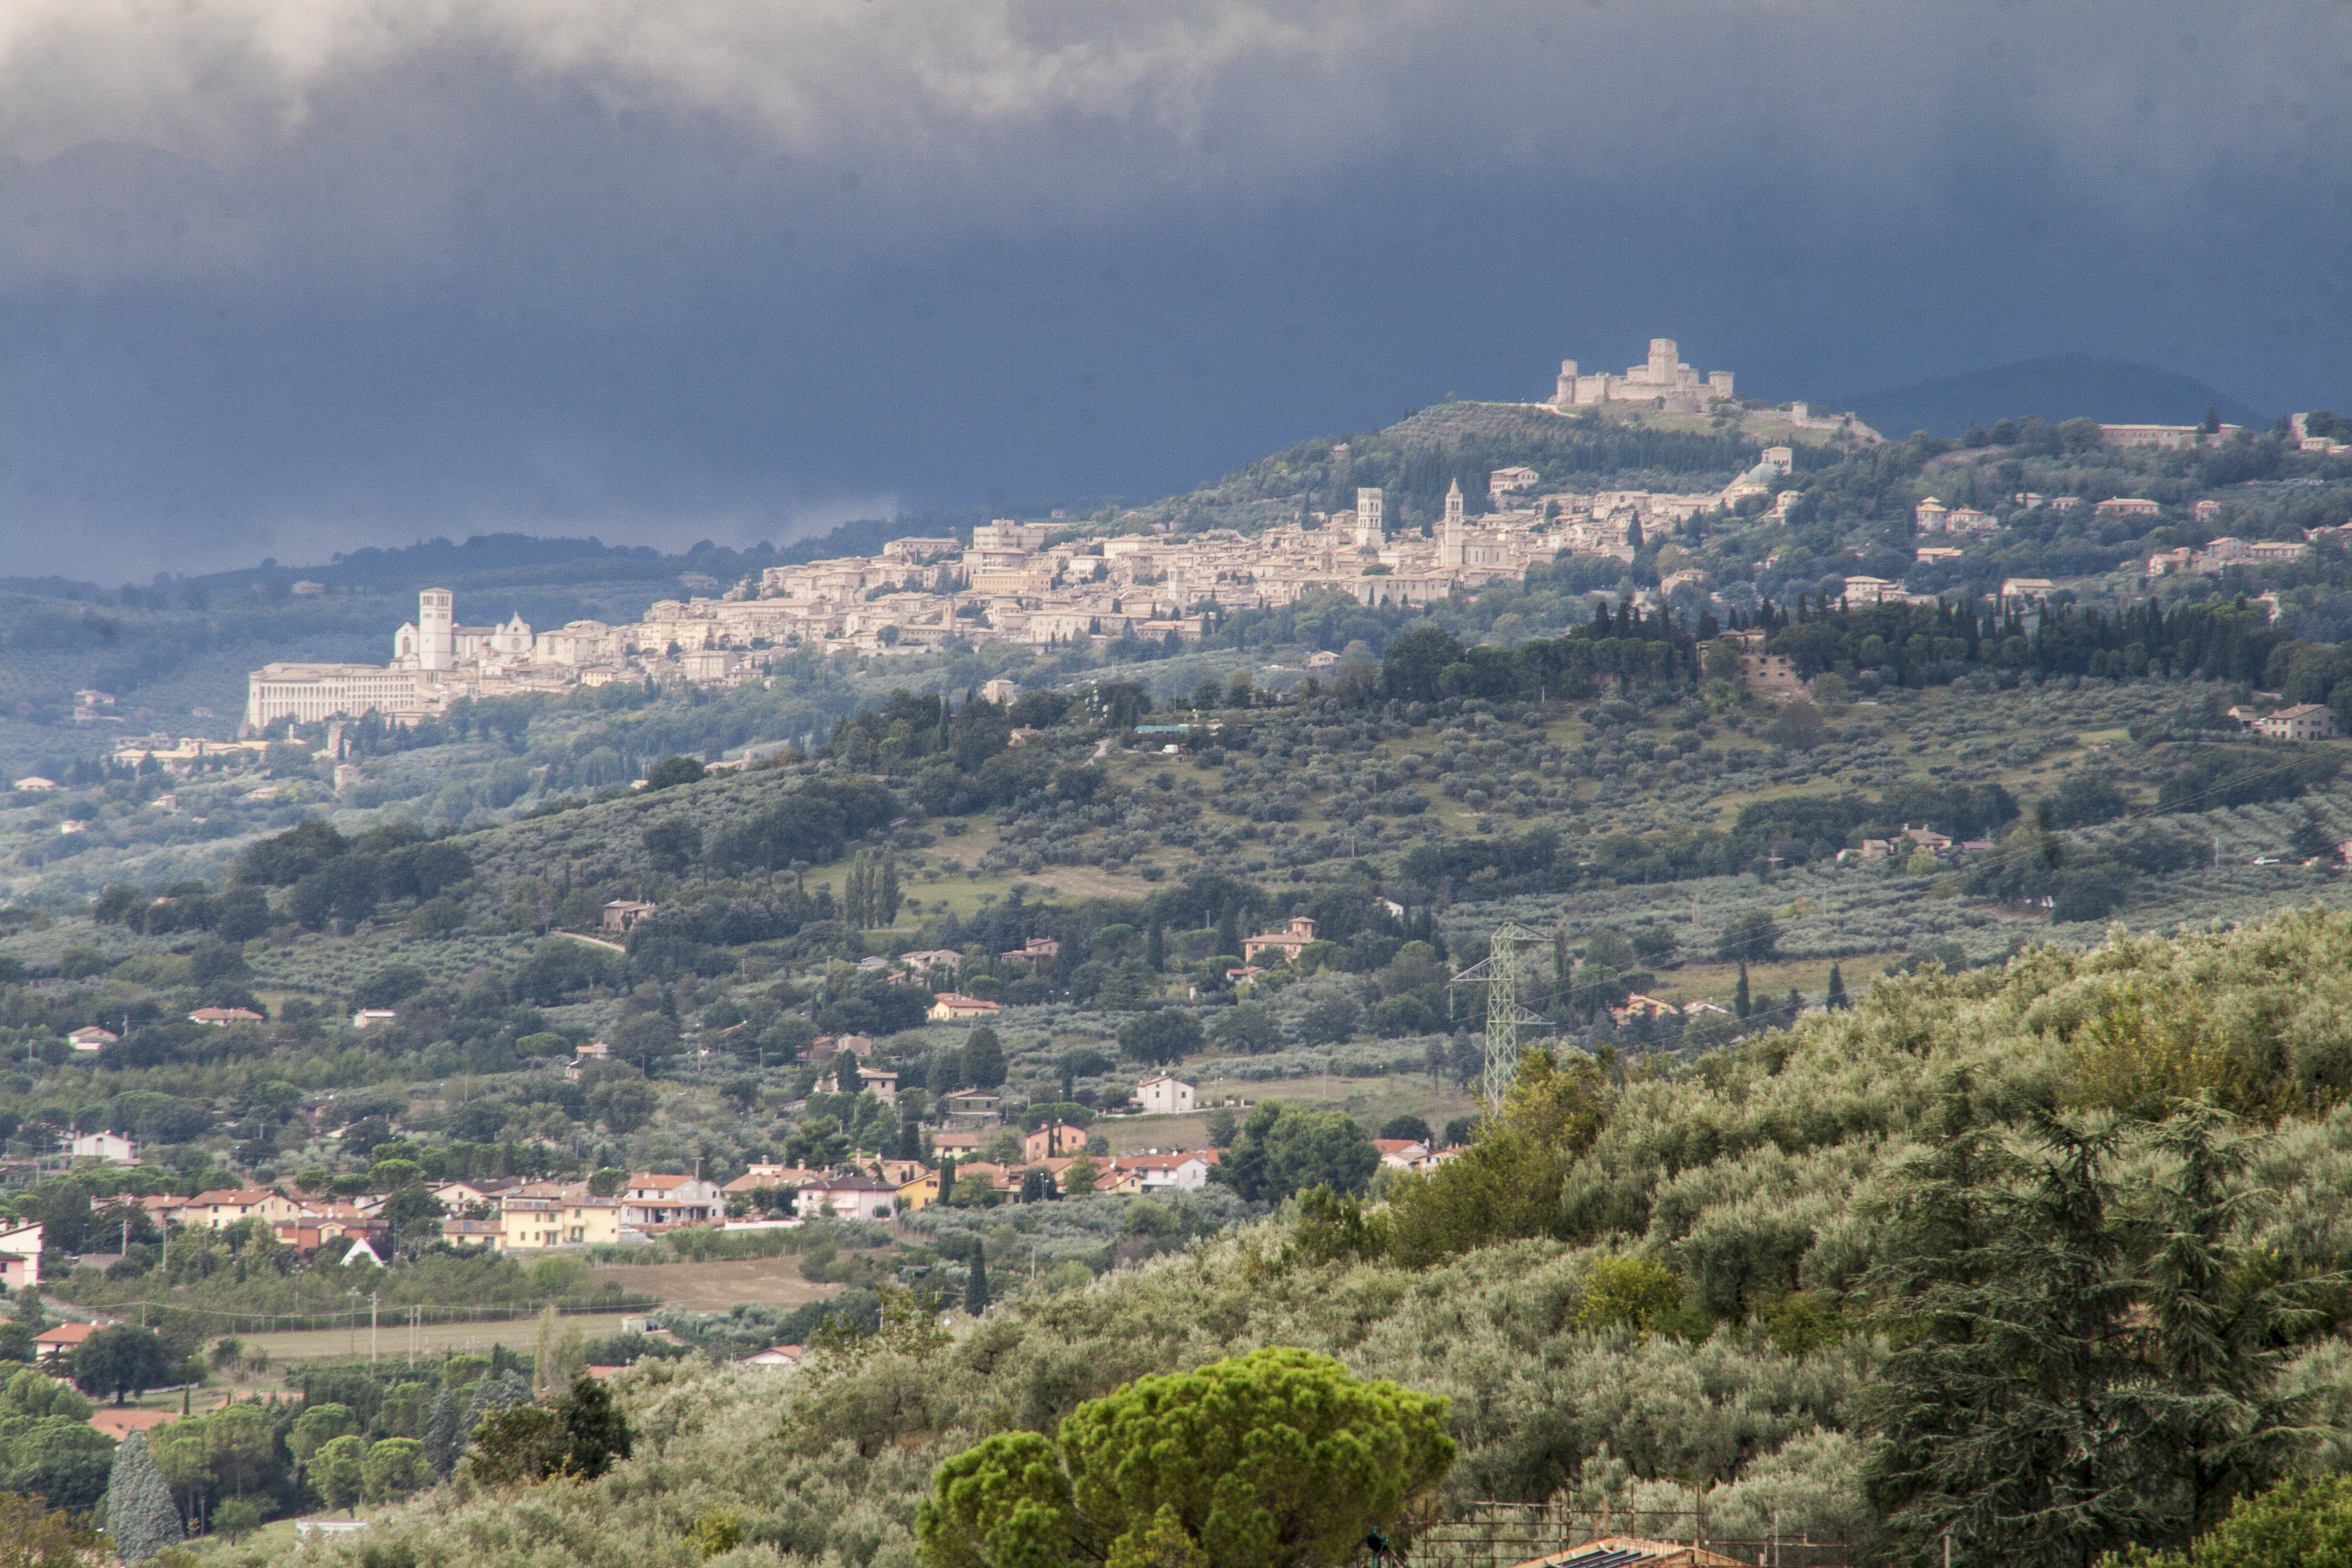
x,y
1728,797
2061,387
1680,1299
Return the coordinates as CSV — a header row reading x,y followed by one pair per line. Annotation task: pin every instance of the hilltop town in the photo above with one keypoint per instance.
x,y
1050,584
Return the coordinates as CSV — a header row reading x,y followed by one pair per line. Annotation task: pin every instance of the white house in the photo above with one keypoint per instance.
x,y
671,1200
20,1257
367,1016
775,1355
1164,1095
882,1085
91,1038
2303,722
110,1147
848,1197
1504,482
1184,1171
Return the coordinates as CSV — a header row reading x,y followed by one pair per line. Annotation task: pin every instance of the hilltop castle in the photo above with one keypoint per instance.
x,y
1662,379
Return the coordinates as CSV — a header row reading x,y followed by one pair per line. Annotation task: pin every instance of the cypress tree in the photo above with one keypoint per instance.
x,y
975,1291
1155,949
597,1431
140,1515
983,1059
1740,1002
1835,999
441,1435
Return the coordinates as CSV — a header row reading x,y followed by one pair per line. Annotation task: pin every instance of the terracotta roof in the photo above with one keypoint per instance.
x,y
756,1178
65,1334
1163,1162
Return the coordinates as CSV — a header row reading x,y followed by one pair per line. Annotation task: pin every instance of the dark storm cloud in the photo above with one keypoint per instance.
x,y
286,276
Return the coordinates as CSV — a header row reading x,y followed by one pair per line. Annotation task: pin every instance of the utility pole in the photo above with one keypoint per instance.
x,y
372,1300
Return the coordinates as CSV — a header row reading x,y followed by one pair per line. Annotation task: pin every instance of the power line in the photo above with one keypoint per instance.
x,y
1498,972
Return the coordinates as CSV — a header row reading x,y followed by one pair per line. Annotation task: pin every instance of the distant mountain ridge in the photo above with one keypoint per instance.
x,y
2059,386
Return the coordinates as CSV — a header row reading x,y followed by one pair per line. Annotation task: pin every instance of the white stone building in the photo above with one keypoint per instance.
x,y
1164,1095
1663,377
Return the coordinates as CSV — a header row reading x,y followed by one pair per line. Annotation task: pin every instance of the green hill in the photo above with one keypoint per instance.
x,y
1714,1296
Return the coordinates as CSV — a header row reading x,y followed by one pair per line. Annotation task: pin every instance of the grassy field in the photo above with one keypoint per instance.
x,y
278,1534
392,1339
715,1287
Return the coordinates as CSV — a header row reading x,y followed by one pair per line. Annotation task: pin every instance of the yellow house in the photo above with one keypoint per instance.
x,y
223,1207
920,1192
557,1214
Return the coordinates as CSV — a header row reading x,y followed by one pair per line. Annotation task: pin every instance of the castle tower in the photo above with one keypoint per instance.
x,y
1664,358
436,620
1369,530
1449,550
1564,390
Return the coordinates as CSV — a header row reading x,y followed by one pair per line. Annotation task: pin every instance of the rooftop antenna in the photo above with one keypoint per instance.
x,y
1498,972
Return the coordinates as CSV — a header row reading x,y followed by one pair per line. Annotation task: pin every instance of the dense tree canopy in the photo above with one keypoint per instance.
x,y
1283,1150
1275,1459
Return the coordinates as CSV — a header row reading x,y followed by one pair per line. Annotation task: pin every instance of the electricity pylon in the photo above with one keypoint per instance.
x,y
1498,972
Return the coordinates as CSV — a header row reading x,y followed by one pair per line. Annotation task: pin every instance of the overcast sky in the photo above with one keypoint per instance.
x,y
283,277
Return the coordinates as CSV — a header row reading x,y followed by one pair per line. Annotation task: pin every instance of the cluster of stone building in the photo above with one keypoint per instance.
x,y
1051,585
1015,582
1043,583
2219,555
